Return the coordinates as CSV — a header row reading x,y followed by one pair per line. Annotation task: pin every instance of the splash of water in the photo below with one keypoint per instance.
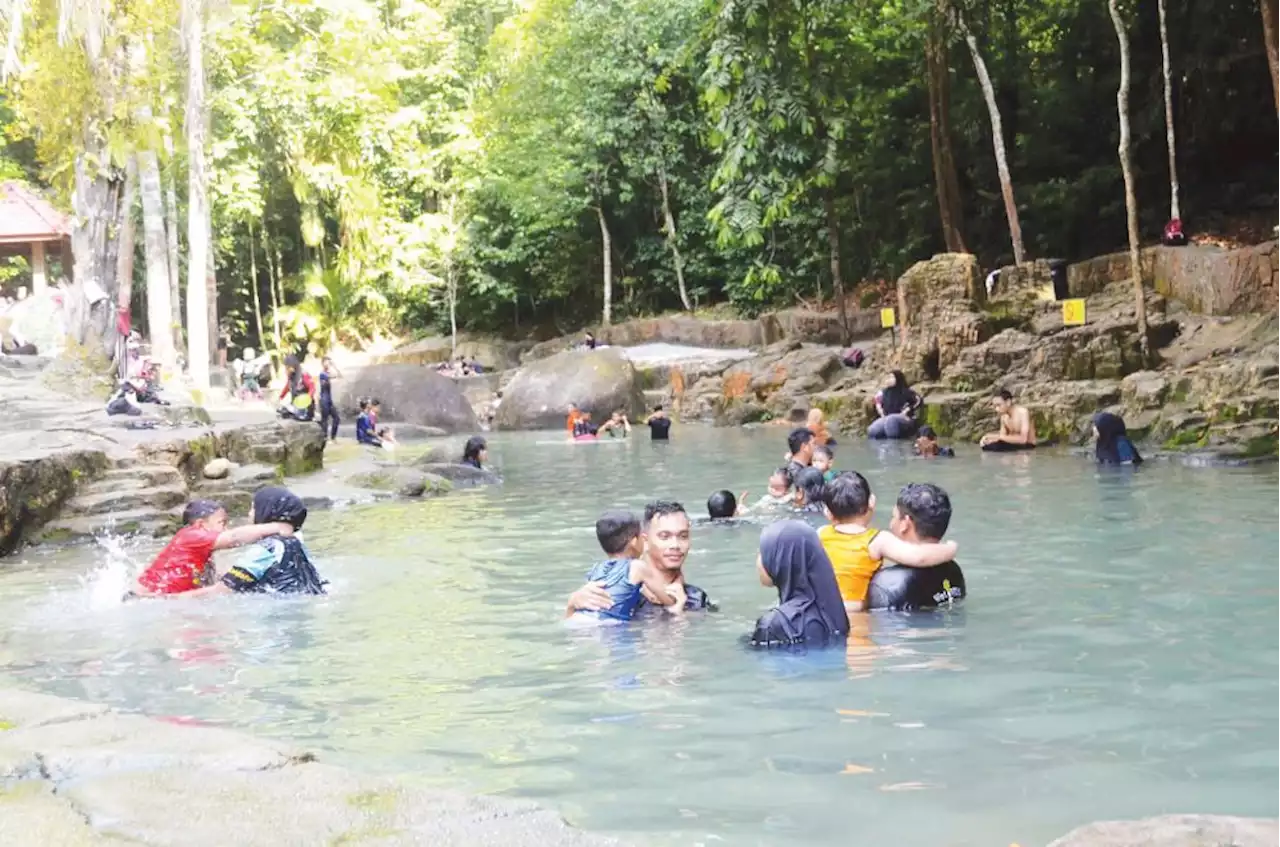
x,y
107,583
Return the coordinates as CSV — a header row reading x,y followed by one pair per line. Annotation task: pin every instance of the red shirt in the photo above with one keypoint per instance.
x,y
182,563
308,386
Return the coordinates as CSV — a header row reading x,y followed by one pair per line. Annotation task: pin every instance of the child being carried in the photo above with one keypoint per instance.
x,y
624,574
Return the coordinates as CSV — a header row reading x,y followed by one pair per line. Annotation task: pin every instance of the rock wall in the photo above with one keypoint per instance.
x,y
33,490
596,381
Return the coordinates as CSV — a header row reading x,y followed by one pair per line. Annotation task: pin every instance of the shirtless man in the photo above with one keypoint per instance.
x,y
1017,432
666,536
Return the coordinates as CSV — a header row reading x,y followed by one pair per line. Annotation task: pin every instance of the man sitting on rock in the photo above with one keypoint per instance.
x,y
1017,432
666,547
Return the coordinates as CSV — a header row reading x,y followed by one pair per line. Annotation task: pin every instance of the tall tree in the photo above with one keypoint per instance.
x,y
159,308
1126,166
997,134
197,200
172,239
950,204
1169,132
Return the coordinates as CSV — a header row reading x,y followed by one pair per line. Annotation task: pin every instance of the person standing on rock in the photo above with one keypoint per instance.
x,y
897,404
1017,432
328,412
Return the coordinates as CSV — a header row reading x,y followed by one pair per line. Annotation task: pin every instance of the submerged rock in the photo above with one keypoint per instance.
x,y
462,476
407,482
597,381
1175,831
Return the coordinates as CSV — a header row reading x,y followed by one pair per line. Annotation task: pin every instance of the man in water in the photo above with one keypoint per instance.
x,y
1017,432
666,537
659,425
921,516
617,426
800,444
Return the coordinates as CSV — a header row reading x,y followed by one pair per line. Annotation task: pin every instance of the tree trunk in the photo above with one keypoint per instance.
x,y
608,265
833,242
159,290
172,239
671,239
1174,211
997,138
1126,166
211,282
125,245
1269,38
273,263
950,208
253,287
197,202
89,305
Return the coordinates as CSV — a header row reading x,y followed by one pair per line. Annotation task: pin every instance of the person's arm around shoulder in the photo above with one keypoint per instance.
x,y
591,597
886,545
655,589
248,534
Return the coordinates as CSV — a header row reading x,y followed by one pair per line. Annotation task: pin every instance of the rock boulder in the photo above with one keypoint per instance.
x,y
407,482
412,394
461,476
1175,831
597,381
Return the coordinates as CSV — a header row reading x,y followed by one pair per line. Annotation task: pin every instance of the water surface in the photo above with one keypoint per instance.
x,y
1117,657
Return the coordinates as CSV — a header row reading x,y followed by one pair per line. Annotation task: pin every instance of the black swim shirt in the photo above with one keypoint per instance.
x,y
659,427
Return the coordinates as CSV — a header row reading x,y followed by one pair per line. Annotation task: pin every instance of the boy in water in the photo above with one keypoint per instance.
x,y
779,494
722,505
857,550
927,444
185,563
618,426
624,575
822,460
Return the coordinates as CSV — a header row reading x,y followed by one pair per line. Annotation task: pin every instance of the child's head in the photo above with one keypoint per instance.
x,y
657,410
476,449
922,513
207,514
809,487
927,433
821,459
616,417
618,532
848,498
375,405
722,504
927,442
275,504
779,482
363,403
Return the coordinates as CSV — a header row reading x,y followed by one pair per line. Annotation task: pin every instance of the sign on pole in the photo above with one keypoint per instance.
x,y
1073,312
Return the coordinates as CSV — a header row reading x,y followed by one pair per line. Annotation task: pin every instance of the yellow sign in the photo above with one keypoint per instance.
x,y
887,318
1073,312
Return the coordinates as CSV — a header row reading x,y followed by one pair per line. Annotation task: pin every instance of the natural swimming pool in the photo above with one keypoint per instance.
x,y
1117,657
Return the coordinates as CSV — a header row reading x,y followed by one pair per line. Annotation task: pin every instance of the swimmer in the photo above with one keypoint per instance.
x,y
857,550
185,564
809,610
278,563
921,516
624,575
822,461
1017,431
666,532
659,425
799,451
809,489
1113,446
475,453
582,427
779,493
927,445
722,505
617,426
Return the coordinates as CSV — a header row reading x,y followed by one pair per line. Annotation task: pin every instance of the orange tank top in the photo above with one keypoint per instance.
x,y
851,560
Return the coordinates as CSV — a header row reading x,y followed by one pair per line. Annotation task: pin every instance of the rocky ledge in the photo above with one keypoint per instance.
x,y
74,773
1176,831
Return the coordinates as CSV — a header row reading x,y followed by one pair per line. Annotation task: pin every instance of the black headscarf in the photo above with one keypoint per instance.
x,y
279,504
898,395
810,610
812,483
1113,446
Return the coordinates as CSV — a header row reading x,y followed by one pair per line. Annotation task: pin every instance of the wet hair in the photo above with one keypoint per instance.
x,y
722,504
785,473
927,432
822,450
658,508
615,529
657,408
363,403
929,508
810,481
1005,395
797,439
847,496
198,510
475,444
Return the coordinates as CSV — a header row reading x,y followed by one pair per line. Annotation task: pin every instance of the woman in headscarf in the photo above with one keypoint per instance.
x,y
1113,446
896,404
475,452
277,564
809,610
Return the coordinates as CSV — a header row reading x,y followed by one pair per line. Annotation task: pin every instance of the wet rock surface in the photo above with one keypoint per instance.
x,y
1176,831
76,773
410,394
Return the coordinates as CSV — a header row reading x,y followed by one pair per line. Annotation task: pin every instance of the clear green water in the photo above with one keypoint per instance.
x,y
1117,656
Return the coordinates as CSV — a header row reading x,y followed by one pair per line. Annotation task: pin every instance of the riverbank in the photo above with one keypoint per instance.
x,y
75,773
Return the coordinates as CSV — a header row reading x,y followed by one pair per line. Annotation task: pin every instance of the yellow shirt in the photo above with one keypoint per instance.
x,y
851,560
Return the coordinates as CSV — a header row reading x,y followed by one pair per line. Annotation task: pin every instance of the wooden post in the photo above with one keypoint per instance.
x,y
39,279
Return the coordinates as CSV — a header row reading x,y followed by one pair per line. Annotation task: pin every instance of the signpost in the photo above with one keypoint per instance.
x,y
887,321
1073,312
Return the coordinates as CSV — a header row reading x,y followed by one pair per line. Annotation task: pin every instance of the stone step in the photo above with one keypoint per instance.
x,y
158,498
150,474
149,523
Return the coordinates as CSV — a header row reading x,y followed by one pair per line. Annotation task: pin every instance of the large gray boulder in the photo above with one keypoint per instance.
x,y
597,381
1175,831
411,394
